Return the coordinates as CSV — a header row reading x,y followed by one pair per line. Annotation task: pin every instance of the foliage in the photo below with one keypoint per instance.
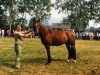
x,y
22,22
92,29
12,9
30,23
3,21
79,12
8,14
36,8
3,18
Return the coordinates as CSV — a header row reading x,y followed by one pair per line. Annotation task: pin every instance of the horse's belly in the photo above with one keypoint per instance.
x,y
57,42
54,41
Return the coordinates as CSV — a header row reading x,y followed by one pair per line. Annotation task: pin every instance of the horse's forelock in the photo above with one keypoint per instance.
x,y
36,20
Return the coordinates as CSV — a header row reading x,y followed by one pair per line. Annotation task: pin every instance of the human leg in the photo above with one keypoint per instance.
x,y
18,54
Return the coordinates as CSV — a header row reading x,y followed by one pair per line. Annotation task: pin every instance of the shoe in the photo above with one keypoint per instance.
x,y
17,63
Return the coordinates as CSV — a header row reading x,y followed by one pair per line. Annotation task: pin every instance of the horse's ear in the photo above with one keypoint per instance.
x,y
34,19
38,20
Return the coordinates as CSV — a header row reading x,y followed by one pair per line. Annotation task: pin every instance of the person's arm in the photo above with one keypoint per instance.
x,y
22,34
28,34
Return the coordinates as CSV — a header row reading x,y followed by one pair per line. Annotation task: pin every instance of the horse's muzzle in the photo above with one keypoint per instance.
x,y
36,34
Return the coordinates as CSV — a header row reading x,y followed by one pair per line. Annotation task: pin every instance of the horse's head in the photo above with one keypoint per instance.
x,y
36,23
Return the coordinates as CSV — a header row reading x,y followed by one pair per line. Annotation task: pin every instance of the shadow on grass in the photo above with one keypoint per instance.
x,y
41,60
11,63
7,63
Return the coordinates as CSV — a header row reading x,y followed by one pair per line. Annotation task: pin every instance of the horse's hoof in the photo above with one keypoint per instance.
x,y
67,60
74,61
47,63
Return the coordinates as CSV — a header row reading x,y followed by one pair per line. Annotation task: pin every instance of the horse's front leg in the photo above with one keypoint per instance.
x,y
48,53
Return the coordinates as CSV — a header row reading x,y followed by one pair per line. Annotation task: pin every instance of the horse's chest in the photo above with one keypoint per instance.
x,y
46,40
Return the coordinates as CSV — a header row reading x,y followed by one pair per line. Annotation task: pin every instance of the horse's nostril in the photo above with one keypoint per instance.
x,y
36,34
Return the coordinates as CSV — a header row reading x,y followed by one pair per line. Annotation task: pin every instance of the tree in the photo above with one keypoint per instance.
x,y
36,8
20,21
79,12
92,29
10,10
3,17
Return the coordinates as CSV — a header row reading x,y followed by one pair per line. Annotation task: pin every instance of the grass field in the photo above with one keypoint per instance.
x,y
34,57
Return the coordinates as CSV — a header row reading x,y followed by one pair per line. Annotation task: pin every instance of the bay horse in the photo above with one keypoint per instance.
x,y
55,38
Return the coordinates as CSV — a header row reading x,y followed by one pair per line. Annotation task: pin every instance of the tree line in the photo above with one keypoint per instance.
x,y
13,12
77,12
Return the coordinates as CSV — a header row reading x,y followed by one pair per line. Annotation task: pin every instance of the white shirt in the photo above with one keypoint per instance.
x,y
18,37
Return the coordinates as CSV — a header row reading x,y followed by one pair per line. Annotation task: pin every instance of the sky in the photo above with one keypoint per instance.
x,y
93,24
55,16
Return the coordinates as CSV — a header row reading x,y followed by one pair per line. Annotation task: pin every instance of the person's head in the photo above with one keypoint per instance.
x,y
18,28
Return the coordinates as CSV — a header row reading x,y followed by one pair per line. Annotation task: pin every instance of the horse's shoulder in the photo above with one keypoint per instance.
x,y
51,31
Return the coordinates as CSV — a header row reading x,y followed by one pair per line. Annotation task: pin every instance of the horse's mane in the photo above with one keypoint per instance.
x,y
46,28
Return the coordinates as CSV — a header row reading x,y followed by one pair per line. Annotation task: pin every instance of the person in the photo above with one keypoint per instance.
x,y
18,43
2,32
8,33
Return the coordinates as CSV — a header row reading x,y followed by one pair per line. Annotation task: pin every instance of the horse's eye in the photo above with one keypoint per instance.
x,y
36,24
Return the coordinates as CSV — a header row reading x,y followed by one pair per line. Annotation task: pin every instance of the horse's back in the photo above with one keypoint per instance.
x,y
67,33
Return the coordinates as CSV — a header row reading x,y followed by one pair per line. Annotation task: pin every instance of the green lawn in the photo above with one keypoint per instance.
x,y
34,57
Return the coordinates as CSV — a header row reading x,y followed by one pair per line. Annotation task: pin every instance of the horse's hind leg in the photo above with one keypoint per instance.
x,y
69,51
73,52
48,54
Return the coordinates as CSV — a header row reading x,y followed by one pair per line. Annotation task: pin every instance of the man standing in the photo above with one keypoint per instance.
x,y
2,32
18,43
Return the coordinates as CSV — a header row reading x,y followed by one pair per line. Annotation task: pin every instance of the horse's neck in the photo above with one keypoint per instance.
x,y
43,30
